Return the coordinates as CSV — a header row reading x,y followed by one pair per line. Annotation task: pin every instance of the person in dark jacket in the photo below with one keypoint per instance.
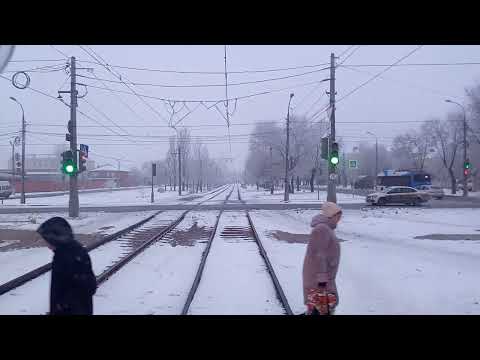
x,y
73,282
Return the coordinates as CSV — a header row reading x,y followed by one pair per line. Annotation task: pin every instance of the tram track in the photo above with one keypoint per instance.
x,y
145,235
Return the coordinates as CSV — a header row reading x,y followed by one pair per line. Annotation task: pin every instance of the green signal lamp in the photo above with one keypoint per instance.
x,y
334,159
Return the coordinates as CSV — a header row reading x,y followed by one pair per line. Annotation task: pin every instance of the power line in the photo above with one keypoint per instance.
x,y
380,73
345,51
416,64
404,82
213,101
350,55
209,85
106,117
120,78
41,69
209,72
36,60
120,99
59,51
384,122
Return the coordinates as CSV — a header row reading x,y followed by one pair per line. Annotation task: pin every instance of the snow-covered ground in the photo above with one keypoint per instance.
x,y
33,297
475,194
14,263
159,279
235,279
125,197
384,269
252,196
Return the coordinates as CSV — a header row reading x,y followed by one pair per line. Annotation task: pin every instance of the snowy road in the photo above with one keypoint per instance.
x,y
235,280
384,269
124,197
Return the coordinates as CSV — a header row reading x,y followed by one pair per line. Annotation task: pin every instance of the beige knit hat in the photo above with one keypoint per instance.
x,y
330,209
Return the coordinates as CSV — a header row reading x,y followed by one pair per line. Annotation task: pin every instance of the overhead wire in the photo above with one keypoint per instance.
x,y
211,72
214,101
211,85
124,83
380,73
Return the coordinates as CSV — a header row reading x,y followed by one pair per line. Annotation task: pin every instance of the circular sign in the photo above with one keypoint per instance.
x,y
6,52
17,80
333,176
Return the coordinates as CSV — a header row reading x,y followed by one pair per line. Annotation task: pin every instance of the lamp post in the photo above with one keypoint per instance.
x,y
286,195
22,198
376,155
465,189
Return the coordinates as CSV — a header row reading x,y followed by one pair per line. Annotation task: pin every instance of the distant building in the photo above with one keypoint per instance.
x,y
109,176
43,174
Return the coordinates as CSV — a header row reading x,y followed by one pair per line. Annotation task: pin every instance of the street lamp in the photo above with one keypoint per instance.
x,y
376,155
286,195
465,189
22,198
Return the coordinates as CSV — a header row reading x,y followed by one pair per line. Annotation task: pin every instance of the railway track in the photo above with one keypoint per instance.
x,y
112,255
232,234
136,238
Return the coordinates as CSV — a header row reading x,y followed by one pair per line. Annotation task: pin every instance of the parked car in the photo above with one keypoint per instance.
x,y
398,195
435,192
5,189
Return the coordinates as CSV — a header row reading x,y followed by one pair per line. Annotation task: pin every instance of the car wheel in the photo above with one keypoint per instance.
x,y
381,202
416,202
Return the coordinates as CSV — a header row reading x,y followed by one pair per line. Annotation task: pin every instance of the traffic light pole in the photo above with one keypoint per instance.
x,y
332,191
73,204
286,197
465,174
22,199
179,171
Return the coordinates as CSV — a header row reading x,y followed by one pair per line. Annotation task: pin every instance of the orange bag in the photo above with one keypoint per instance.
x,y
321,300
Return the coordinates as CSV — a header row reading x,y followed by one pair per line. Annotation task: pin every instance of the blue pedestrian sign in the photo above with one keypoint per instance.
x,y
84,150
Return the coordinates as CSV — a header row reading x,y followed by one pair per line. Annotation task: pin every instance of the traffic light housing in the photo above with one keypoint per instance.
x,y
82,161
334,159
325,148
68,136
69,167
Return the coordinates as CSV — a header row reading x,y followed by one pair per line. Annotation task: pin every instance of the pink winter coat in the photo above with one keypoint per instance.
x,y
322,256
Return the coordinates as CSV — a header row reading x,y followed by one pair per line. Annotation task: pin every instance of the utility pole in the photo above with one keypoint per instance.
x,y
287,145
465,188
179,171
73,205
22,198
13,165
271,172
332,191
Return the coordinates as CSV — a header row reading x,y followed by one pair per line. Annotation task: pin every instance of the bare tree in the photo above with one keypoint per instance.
x,y
446,138
412,148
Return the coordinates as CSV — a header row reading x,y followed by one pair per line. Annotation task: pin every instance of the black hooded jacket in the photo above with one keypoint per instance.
x,y
73,282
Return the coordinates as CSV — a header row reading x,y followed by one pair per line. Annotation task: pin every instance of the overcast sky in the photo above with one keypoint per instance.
x,y
410,93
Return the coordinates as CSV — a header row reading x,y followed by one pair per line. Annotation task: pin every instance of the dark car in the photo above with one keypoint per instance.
x,y
365,182
5,190
398,195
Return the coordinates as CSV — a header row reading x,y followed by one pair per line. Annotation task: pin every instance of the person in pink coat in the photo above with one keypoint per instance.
x,y
321,262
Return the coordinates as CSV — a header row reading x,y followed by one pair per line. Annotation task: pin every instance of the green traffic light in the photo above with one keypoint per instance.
x,y
467,165
334,160
68,167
